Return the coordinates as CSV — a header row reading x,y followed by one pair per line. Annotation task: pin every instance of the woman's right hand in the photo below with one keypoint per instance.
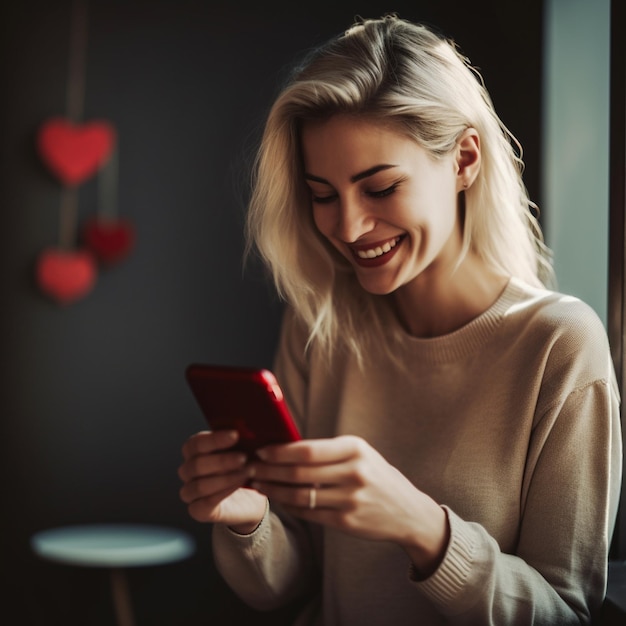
x,y
213,482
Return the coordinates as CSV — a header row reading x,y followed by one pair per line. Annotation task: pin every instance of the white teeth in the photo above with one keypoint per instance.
x,y
372,253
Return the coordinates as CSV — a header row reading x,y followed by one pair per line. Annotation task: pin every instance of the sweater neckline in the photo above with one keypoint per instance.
x,y
469,338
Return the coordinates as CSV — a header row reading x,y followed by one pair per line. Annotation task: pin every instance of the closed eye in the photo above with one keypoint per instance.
x,y
323,199
383,192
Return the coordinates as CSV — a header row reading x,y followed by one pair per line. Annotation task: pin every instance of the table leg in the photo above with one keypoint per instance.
x,y
121,598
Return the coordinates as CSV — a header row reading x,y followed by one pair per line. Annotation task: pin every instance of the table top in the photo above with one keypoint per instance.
x,y
113,545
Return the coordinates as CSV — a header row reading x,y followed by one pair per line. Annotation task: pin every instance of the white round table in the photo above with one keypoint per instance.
x,y
116,547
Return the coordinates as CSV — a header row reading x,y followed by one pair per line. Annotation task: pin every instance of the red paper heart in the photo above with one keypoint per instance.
x,y
110,240
66,276
75,152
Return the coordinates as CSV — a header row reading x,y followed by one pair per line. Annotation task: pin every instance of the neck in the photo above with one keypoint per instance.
x,y
439,303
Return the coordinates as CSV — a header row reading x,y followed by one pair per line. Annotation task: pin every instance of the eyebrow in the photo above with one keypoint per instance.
x,y
356,178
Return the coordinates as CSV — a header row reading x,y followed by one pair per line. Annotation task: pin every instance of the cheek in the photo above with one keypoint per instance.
x,y
444,204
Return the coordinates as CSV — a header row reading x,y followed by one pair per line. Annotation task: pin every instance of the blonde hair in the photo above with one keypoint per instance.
x,y
406,76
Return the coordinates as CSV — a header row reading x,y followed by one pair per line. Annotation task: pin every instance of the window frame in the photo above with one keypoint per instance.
x,y
616,313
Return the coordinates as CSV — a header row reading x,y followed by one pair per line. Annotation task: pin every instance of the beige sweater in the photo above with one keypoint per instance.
x,y
511,423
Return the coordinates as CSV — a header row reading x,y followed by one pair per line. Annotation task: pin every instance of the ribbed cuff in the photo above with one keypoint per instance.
x,y
446,584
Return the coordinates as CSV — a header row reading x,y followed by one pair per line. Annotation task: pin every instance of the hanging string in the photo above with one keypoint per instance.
x,y
107,188
77,62
75,102
68,217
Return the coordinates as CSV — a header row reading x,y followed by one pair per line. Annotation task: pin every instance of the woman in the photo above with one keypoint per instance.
x,y
462,455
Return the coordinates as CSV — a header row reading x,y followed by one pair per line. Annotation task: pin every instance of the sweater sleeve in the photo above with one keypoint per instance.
x,y
276,563
268,568
558,572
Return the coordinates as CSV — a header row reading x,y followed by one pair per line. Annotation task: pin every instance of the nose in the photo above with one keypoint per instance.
x,y
353,220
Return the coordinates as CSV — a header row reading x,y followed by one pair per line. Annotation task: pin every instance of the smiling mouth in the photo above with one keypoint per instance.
x,y
376,254
379,250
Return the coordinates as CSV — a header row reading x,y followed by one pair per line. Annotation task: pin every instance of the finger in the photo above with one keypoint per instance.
x,y
209,509
314,451
211,486
342,473
209,441
303,497
207,464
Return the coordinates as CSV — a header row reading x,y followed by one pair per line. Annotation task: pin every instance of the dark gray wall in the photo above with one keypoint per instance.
x,y
93,403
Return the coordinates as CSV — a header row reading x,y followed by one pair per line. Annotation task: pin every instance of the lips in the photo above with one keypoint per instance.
x,y
376,253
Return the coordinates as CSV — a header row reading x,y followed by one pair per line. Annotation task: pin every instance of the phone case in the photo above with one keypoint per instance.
x,y
246,399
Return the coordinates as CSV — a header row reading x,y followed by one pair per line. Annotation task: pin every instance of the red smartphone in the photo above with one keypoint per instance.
x,y
248,400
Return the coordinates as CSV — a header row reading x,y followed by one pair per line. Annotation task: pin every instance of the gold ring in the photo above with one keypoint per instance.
x,y
312,497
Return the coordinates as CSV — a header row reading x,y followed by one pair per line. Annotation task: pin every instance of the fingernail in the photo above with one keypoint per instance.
x,y
251,471
242,459
262,454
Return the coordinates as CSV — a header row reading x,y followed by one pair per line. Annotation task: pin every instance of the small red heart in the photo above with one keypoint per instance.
x,y
65,275
75,152
110,240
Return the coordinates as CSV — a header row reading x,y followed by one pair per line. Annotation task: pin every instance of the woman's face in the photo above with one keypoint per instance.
x,y
383,202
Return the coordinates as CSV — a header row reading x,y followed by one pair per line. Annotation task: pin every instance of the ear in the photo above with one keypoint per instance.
x,y
467,159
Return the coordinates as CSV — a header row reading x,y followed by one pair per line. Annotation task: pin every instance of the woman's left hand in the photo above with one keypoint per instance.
x,y
354,490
